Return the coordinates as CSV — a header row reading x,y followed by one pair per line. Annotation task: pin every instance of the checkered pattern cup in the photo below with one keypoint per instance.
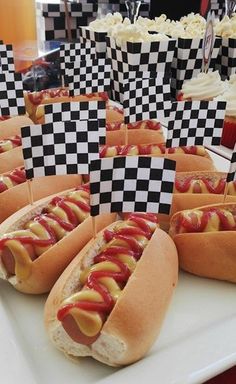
x,y
187,61
153,56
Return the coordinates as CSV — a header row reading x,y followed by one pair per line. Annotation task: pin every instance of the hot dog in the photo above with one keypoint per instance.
x,y
39,241
142,132
195,189
205,238
10,142
14,189
199,159
33,100
111,300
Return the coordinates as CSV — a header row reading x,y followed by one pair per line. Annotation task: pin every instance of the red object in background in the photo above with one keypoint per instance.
x,y
204,7
227,377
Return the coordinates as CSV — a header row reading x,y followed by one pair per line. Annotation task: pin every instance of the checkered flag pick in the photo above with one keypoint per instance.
x,y
6,58
130,184
76,52
146,99
91,76
83,110
12,101
195,123
59,149
232,171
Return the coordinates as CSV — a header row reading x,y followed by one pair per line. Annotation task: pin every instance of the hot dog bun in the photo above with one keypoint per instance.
x,y
196,160
13,199
9,129
34,100
39,275
135,321
191,199
11,159
208,253
12,126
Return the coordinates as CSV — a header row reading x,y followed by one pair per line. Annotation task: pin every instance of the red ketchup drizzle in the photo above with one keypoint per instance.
x,y
195,225
42,219
191,150
16,142
184,186
113,126
109,254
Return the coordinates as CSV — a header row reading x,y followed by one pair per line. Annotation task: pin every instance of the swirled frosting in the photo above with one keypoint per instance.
x,y
230,97
205,86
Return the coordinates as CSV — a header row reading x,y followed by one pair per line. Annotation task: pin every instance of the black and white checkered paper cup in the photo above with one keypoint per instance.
x,y
83,110
12,101
232,171
99,38
131,184
6,58
75,52
60,148
226,61
195,123
153,56
146,98
51,23
187,61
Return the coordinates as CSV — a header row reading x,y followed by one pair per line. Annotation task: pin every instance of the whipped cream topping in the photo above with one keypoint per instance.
x,y
226,27
230,97
205,86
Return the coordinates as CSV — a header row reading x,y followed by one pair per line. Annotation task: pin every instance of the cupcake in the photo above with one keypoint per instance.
x,y
229,129
205,86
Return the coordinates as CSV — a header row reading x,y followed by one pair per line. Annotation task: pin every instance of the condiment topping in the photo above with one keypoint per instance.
x,y
10,179
200,184
147,124
102,282
10,143
206,220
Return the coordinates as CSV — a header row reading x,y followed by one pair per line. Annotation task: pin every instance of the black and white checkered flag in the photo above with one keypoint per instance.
x,y
146,98
12,101
232,171
83,110
76,52
6,58
59,149
130,184
90,76
195,123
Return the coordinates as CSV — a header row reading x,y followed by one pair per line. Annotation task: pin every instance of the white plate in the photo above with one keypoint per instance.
x,y
197,341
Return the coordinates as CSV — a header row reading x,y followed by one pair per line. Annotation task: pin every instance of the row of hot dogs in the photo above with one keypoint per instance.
x,y
112,297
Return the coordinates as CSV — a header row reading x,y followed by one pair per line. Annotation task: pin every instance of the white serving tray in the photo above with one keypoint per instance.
x,y
198,339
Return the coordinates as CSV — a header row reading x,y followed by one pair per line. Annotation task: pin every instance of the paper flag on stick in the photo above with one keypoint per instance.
x,y
195,123
146,99
208,42
59,149
131,184
12,101
6,58
91,76
83,110
232,171
76,52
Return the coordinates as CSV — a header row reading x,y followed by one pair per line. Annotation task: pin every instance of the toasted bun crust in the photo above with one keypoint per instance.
x,y
11,159
136,319
17,197
114,116
12,126
46,269
187,163
211,254
135,136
